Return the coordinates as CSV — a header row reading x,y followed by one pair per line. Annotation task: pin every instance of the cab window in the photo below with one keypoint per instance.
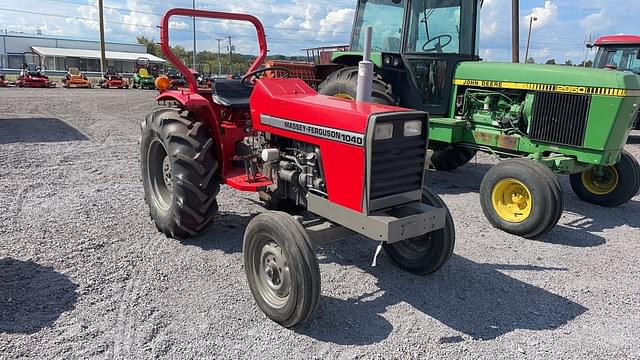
x,y
385,17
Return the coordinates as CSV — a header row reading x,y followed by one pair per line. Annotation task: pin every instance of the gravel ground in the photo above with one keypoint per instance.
x,y
84,274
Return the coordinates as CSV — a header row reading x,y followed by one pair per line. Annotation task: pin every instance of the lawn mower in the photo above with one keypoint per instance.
x,y
31,75
203,76
537,119
112,79
3,81
74,77
357,168
176,79
142,79
618,52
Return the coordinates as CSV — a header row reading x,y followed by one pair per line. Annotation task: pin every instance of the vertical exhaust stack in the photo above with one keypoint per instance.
x,y
515,29
365,70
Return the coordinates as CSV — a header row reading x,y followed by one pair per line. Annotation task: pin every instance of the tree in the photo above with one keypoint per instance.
x,y
587,63
551,62
568,62
152,47
531,60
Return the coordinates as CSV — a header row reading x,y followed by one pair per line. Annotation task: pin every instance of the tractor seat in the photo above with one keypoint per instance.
x,y
231,93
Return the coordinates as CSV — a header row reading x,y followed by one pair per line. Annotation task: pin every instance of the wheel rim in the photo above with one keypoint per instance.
x,y
343,95
601,180
271,273
512,200
160,175
415,248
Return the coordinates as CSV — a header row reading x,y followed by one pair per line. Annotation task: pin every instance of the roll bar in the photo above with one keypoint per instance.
x,y
166,49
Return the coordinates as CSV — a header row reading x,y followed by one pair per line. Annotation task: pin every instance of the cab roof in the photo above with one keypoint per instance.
x,y
618,39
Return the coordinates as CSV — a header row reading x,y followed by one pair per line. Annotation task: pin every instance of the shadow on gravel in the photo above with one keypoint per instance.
x,y
592,219
225,234
475,299
34,130
32,296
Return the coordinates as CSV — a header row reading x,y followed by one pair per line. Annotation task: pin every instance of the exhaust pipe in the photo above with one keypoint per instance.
x,y
365,70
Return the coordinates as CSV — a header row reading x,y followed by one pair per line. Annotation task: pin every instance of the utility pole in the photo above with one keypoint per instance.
x,y
515,30
230,56
531,20
195,53
219,58
103,57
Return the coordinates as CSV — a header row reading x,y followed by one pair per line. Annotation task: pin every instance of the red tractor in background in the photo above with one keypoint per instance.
x,y
31,74
618,52
111,79
356,168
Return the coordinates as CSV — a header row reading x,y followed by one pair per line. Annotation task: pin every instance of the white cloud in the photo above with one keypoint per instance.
x,y
178,25
337,21
547,15
139,20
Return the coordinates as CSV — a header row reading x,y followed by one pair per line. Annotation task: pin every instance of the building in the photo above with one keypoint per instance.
x,y
84,54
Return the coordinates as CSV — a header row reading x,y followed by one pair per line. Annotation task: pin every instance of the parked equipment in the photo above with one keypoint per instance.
x,y
358,168
3,81
176,79
74,77
537,119
204,76
618,52
142,79
31,74
111,79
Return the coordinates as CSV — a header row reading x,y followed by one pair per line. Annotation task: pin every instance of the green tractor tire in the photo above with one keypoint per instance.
x,y
344,84
609,186
451,157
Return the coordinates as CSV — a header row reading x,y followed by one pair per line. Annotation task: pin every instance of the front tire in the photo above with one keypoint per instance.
x,y
344,84
609,186
428,253
179,173
281,268
521,197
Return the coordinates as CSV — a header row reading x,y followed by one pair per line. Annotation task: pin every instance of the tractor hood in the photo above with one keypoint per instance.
x,y
546,74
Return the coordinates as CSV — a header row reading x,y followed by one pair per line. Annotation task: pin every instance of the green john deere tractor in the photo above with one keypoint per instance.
x,y
539,120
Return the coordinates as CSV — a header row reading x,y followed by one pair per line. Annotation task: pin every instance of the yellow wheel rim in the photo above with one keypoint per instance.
x,y
344,96
601,181
512,200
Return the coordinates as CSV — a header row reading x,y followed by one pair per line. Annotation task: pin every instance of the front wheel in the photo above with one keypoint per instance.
x,y
452,157
281,268
521,197
425,254
609,186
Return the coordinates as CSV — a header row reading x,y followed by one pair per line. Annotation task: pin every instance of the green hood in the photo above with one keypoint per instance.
x,y
547,74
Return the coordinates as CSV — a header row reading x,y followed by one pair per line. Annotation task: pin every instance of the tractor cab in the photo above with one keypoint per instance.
x,y
618,52
417,42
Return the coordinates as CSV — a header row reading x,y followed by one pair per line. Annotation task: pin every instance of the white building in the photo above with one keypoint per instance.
x,y
54,50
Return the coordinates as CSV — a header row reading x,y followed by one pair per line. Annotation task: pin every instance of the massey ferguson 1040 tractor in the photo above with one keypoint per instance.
x,y
356,167
111,79
142,79
618,52
31,75
537,119
74,77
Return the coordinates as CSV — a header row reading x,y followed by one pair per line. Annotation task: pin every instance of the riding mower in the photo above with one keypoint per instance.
x,y
74,77
31,75
203,76
538,120
142,79
112,79
357,169
176,79
3,81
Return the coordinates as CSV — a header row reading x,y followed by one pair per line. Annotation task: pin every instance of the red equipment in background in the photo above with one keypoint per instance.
x,y
31,74
3,81
112,79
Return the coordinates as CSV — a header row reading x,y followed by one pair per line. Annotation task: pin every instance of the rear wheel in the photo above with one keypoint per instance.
x,y
344,84
425,254
179,173
609,186
281,268
451,157
521,197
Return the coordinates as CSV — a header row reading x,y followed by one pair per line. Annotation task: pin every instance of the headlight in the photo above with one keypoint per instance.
x,y
413,128
383,132
387,60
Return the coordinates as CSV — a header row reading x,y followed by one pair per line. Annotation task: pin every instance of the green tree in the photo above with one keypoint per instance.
x,y
531,60
152,47
551,62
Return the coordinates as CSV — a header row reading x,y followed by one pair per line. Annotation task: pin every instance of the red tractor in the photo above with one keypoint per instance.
x,y
111,79
618,52
31,74
356,168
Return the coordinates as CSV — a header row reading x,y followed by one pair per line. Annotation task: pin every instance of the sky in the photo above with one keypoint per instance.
x,y
291,25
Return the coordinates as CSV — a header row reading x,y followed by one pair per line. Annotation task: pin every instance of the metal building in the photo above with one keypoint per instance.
x,y
54,50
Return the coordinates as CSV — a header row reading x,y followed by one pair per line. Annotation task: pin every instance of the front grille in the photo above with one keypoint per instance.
x,y
397,164
560,118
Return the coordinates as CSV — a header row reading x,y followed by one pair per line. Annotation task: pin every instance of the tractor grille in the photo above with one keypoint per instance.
x,y
560,118
397,164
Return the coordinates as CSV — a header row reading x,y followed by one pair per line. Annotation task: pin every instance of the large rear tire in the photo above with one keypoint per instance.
x,y
281,268
344,84
451,157
179,172
609,186
428,253
522,197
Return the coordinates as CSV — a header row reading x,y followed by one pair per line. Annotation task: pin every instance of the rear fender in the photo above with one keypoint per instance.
x,y
203,110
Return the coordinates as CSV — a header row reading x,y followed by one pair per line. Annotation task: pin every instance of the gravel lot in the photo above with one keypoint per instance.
x,y
84,274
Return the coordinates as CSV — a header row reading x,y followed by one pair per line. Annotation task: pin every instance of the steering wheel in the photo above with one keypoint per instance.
x,y
255,74
437,47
